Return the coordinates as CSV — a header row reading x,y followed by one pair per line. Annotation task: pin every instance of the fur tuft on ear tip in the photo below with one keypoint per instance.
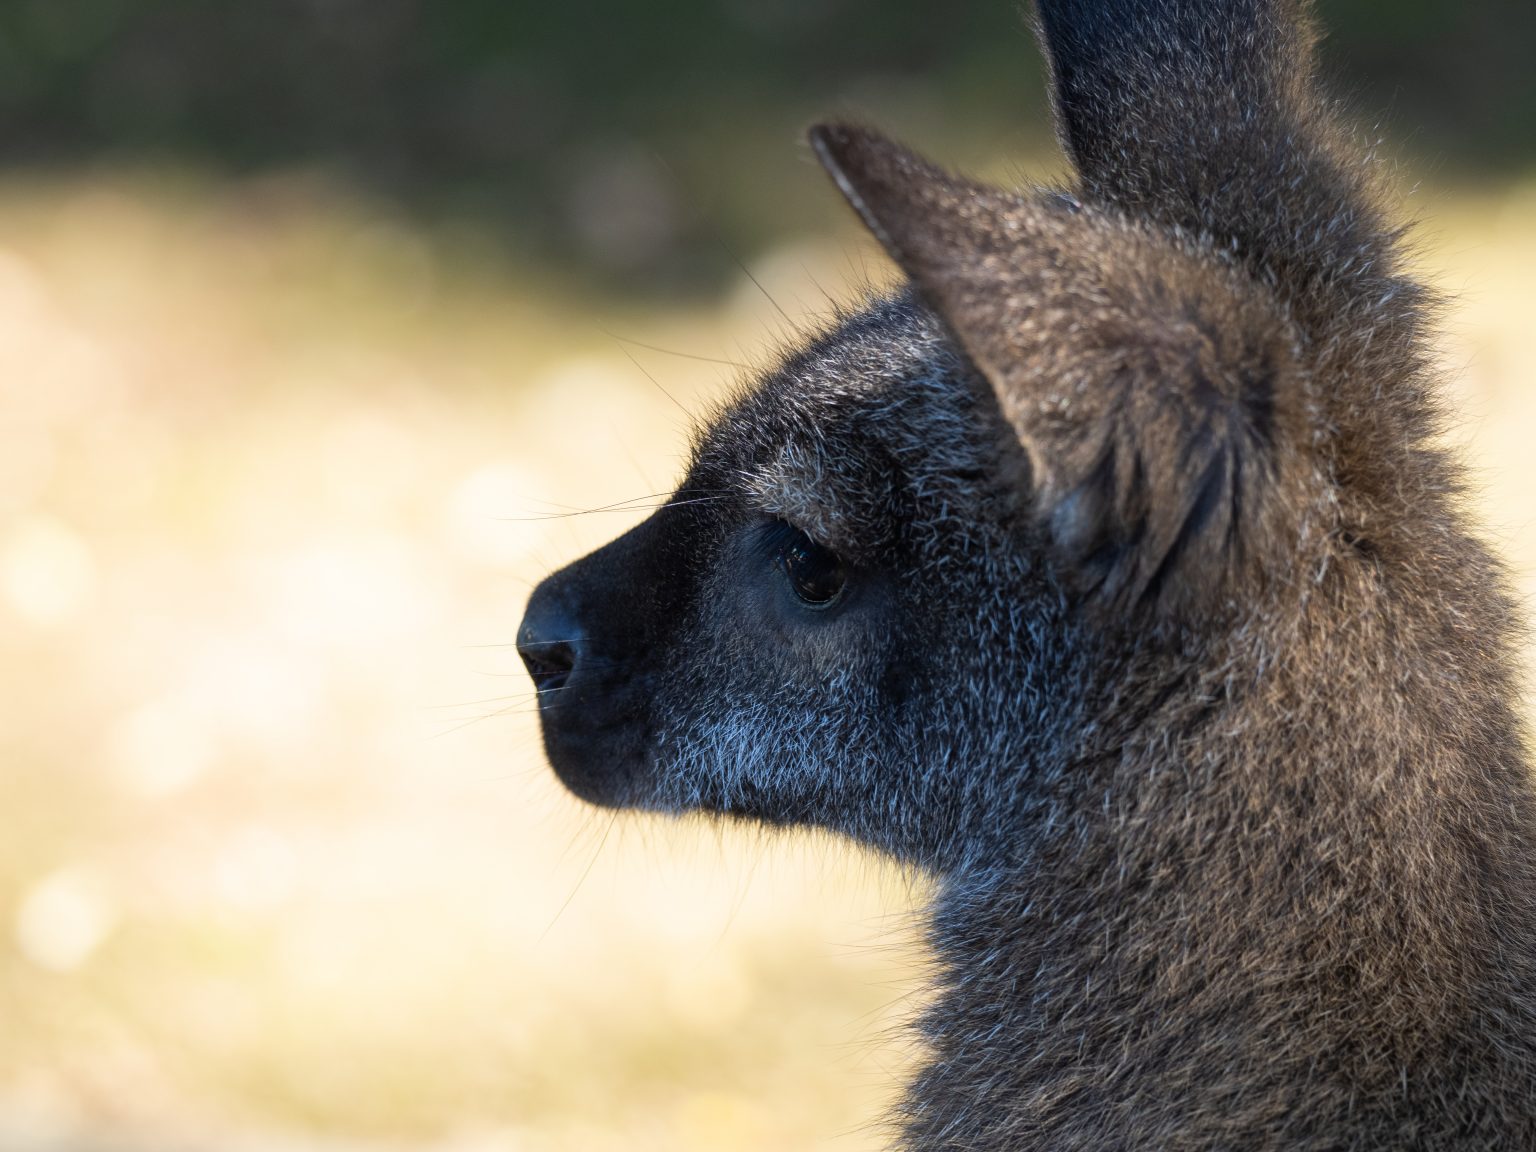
x,y
842,145
829,137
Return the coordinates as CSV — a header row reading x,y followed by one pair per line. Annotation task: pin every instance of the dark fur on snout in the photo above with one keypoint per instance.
x,y
1156,629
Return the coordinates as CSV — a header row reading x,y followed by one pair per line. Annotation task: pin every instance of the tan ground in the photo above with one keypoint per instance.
x,y
280,865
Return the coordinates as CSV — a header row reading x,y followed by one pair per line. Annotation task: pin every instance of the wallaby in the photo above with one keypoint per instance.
x,y
1113,572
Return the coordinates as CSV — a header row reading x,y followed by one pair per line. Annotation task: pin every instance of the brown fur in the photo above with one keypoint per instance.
x,y
1163,642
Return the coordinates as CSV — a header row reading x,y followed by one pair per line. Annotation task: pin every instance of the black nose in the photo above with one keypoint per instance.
x,y
549,641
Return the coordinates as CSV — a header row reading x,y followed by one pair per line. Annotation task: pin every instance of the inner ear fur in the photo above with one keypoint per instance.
x,y
1152,388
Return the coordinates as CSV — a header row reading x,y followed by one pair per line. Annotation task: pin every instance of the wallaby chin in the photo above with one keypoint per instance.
x,y
1111,571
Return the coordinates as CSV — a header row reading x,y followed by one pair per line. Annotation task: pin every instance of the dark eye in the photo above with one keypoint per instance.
x,y
814,573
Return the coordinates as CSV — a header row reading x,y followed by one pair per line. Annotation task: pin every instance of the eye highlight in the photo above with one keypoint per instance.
x,y
815,574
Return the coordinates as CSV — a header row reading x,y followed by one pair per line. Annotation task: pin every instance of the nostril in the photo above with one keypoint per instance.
x,y
549,662
550,639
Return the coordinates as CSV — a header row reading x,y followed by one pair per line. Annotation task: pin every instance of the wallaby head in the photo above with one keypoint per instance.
x,y
1111,571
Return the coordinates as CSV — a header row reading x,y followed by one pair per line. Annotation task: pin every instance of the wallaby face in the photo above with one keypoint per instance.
x,y
814,629
1111,571
853,613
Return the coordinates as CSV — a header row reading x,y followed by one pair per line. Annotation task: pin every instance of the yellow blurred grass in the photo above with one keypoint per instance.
x,y
280,859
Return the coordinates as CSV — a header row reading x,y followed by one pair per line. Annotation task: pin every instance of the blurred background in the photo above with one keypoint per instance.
x,y
326,328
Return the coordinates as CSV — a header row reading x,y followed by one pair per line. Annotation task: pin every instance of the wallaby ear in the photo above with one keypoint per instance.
x,y
1148,388
959,241
923,215
1204,115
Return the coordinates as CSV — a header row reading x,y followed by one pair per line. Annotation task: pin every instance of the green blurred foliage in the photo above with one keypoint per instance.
x,y
626,138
